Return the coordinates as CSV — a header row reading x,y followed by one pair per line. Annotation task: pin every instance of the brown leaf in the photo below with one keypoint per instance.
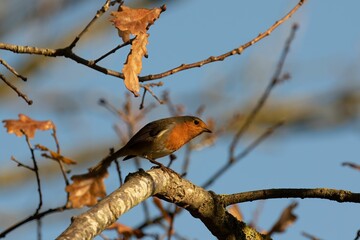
x,y
27,126
133,65
54,155
286,219
352,165
134,21
86,189
235,211
160,206
126,231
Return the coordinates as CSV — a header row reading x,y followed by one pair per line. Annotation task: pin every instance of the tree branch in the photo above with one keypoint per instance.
x,y
167,185
321,193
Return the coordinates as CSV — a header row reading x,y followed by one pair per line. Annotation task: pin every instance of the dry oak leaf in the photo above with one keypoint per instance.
x,y
126,231
86,189
235,211
286,219
133,64
54,155
160,206
27,126
134,21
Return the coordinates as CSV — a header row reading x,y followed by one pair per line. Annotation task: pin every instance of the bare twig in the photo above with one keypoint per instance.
x,y
61,165
114,50
31,218
238,50
11,69
274,81
310,236
147,88
36,170
98,14
357,235
67,51
172,220
19,93
118,169
39,224
319,193
20,164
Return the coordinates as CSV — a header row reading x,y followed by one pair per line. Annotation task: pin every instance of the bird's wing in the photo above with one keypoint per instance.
x,y
148,133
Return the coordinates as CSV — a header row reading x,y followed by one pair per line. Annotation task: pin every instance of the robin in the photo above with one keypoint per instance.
x,y
158,139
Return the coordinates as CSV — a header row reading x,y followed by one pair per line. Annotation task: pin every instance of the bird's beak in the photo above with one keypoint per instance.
x,y
207,130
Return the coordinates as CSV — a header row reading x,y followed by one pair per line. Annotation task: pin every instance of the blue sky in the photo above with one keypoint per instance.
x,y
324,57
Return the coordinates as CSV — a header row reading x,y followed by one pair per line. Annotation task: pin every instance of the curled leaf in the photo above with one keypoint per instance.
x,y
286,219
133,65
134,21
235,211
160,206
54,155
126,231
86,189
27,126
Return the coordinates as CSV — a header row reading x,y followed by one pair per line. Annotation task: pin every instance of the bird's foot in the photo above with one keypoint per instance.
x,y
163,167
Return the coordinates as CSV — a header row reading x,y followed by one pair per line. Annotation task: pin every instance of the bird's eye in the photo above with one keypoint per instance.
x,y
196,122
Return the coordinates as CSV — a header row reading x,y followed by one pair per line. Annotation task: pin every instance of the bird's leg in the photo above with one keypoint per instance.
x,y
172,158
163,167
156,163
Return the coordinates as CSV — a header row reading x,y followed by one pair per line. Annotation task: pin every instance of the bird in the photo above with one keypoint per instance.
x,y
158,139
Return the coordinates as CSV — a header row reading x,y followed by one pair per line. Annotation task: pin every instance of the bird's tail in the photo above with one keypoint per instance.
x,y
106,162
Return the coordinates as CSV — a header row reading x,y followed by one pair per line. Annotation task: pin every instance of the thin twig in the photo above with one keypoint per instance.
x,y
20,164
274,81
61,165
147,88
357,235
238,50
114,50
319,193
19,93
36,170
186,164
67,52
118,169
98,14
39,224
172,220
310,236
32,217
142,99
11,69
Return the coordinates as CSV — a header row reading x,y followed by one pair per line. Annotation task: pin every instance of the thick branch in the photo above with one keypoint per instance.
x,y
138,188
165,184
321,193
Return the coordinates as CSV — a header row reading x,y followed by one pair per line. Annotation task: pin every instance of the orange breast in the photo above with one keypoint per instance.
x,y
177,137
